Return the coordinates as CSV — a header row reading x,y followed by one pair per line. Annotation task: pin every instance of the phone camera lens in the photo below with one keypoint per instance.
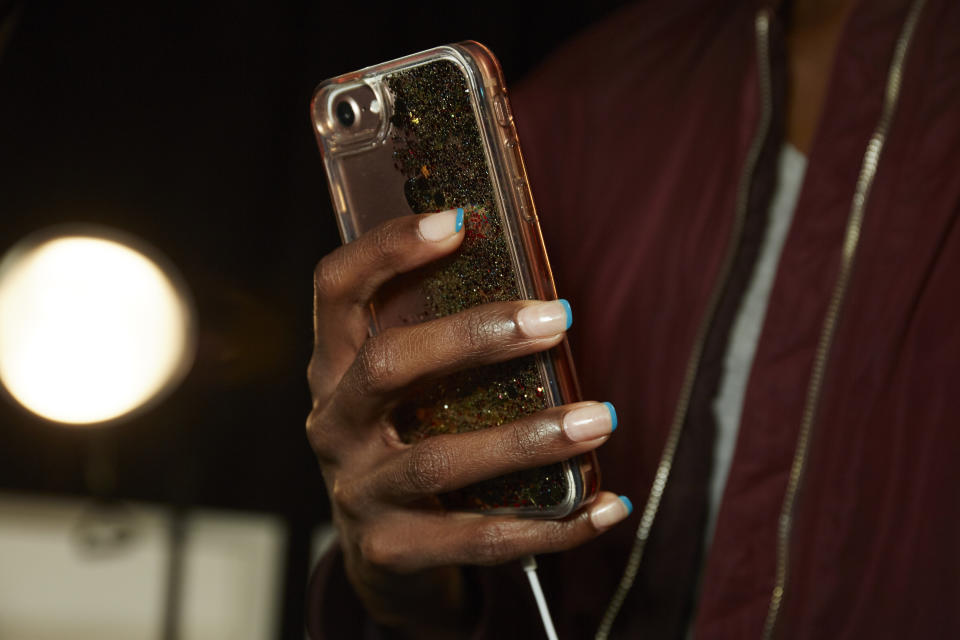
x,y
345,113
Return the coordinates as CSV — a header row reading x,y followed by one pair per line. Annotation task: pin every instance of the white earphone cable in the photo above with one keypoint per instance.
x,y
529,564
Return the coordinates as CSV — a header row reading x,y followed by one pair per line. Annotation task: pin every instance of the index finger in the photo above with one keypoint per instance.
x,y
347,278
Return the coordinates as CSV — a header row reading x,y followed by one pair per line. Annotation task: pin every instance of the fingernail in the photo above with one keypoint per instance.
x,y
609,514
590,422
613,415
545,319
442,225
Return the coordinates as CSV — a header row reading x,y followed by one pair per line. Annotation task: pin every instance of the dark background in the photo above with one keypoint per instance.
x,y
187,126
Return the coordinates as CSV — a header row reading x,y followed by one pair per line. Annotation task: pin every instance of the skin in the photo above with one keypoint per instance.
x,y
381,490
814,31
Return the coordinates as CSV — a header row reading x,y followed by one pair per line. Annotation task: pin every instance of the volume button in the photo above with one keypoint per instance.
x,y
520,186
500,110
524,199
514,147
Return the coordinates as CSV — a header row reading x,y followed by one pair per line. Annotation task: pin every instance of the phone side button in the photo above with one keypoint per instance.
x,y
500,110
524,200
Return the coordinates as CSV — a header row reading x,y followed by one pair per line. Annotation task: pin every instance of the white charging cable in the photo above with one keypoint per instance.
x,y
529,564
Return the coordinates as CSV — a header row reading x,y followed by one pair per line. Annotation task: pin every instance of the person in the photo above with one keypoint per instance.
x,y
752,209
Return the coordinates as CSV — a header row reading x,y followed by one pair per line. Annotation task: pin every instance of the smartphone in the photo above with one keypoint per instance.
x,y
430,132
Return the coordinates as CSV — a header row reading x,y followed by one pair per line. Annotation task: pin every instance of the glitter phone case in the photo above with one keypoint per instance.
x,y
430,132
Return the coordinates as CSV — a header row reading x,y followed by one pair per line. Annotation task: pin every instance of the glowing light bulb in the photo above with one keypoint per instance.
x,y
90,329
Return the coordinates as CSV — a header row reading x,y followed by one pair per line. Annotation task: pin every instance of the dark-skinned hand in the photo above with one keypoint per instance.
x,y
403,554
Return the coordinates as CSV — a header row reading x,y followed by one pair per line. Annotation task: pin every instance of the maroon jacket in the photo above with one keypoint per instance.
x,y
651,142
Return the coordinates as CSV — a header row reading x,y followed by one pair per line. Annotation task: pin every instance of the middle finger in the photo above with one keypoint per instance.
x,y
390,362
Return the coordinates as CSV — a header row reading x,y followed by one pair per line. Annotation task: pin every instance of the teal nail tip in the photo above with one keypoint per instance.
x,y
459,220
626,502
613,415
569,312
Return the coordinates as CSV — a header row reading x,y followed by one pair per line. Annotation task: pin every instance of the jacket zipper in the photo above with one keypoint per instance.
x,y
762,28
851,241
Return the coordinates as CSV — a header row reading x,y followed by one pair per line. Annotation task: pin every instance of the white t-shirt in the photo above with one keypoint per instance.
x,y
745,333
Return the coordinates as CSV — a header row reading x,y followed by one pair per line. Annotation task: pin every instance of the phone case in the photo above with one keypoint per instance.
x,y
429,132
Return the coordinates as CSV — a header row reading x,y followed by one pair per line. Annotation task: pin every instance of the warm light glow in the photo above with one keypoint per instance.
x,y
90,329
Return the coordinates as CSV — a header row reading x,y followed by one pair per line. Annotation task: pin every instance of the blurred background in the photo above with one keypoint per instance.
x,y
186,126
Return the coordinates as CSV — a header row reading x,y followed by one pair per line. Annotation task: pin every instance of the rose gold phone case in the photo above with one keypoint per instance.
x,y
429,132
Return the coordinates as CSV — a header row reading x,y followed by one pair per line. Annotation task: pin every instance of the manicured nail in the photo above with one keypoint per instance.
x,y
610,513
590,422
566,307
613,415
545,319
440,226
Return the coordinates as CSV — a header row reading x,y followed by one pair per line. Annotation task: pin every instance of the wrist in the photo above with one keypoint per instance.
x,y
434,604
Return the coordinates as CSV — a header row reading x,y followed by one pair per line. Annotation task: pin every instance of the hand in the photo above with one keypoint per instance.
x,y
402,552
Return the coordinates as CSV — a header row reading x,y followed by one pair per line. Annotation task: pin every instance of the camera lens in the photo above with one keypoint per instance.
x,y
345,113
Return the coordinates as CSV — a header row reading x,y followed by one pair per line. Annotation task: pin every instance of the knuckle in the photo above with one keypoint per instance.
x,y
557,537
479,329
427,468
491,545
343,497
315,369
381,551
377,366
383,244
326,277
314,428
318,436
526,443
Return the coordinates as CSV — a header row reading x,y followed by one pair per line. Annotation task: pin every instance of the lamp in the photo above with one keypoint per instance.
x,y
94,325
